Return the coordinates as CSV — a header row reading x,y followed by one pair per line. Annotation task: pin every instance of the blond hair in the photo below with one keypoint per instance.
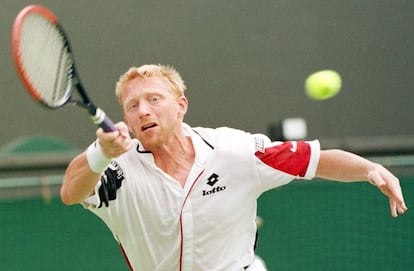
x,y
167,73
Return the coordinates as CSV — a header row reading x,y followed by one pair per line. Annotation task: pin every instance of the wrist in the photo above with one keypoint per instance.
x,y
96,158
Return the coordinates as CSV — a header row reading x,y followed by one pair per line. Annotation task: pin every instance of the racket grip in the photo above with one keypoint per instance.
x,y
102,120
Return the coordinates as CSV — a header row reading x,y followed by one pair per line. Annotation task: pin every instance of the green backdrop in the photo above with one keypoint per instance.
x,y
307,226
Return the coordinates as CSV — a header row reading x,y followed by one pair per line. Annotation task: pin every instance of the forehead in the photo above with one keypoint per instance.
x,y
142,85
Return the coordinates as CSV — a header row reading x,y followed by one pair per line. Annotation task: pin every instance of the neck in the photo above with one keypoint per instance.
x,y
176,158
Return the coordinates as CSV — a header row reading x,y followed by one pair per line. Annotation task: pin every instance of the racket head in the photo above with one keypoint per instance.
x,y
42,56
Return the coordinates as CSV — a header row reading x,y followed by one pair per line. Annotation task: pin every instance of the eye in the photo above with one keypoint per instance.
x,y
131,106
155,99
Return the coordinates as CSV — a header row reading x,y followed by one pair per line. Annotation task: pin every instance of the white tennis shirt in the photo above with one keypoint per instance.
x,y
210,223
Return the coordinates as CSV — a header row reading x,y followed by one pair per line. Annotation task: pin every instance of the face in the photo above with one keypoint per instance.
x,y
152,112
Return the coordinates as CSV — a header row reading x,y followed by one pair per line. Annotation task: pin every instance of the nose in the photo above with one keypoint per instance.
x,y
143,109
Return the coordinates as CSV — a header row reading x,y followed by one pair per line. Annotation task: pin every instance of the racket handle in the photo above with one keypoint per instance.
x,y
102,120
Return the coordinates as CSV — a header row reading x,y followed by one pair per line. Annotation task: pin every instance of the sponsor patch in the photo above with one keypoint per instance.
x,y
259,144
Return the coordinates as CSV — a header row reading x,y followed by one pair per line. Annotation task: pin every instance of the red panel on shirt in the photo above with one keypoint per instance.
x,y
291,157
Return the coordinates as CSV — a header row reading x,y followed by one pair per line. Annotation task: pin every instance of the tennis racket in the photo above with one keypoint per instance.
x,y
45,63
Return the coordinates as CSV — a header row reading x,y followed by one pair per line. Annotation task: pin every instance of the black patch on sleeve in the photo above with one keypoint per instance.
x,y
111,181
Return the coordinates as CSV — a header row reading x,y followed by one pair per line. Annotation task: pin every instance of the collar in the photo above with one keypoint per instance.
x,y
202,147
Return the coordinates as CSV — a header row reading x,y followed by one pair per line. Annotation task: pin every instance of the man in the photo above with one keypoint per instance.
x,y
182,198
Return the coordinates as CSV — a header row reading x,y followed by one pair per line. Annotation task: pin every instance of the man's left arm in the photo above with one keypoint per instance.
x,y
338,165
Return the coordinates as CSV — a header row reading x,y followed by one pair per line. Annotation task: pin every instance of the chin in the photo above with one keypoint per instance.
x,y
149,143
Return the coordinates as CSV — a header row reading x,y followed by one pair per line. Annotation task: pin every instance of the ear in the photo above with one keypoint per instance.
x,y
183,104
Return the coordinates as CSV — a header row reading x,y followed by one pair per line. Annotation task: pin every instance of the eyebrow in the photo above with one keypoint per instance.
x,y
146,93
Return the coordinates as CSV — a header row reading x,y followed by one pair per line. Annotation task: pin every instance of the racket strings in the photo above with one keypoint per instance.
x,y
46,59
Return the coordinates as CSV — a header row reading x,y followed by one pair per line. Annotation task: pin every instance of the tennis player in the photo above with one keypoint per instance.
x,y
184,198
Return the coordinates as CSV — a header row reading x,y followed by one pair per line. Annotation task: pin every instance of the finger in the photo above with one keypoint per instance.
x,y
106,138
395,192
121,144
401,207
99,132
397,208
391,188
396,198
393,207
124,143
397,205
123,129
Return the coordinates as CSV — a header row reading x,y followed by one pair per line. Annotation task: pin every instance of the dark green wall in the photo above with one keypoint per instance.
x,y
244,62
39,236
326,226
307,226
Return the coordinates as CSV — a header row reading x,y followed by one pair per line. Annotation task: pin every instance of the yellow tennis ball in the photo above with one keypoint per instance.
x,y
323,85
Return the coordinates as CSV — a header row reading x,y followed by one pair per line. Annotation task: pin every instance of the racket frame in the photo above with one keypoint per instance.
x,y
97,115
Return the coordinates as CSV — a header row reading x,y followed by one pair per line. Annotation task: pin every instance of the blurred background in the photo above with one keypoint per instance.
x,y
244,63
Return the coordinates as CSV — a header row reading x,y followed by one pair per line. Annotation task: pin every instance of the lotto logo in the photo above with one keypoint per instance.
x,y
214,190
211,181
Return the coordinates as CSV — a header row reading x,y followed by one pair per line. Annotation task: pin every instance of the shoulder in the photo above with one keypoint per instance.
x,y
219,132
232,138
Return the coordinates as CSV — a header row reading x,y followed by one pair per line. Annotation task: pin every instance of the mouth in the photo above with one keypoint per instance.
x,y
148,126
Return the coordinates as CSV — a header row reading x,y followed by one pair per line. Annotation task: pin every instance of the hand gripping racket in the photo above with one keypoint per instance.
x,y
45,63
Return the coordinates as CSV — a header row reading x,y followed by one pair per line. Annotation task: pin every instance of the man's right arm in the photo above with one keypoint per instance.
x,y
84,171
79,181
